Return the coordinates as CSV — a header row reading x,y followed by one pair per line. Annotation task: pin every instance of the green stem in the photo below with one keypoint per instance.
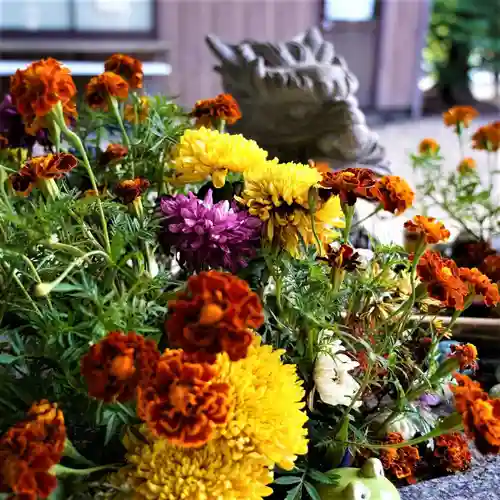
x,y
113,105
348,215
43,289
359,393
25,292
221,126
371,214
36,275
60,470
58,117
71,452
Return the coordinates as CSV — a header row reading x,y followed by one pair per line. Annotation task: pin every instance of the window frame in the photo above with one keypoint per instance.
x,y
73,33
376,14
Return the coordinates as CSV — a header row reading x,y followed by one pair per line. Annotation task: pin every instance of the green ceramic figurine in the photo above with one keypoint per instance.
x,y
367,483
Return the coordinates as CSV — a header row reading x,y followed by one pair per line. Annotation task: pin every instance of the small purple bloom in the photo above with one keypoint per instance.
x,y
205,234
12,127
428,399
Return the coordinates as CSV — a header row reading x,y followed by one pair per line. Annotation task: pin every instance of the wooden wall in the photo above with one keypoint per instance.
x,y
184,24
383,54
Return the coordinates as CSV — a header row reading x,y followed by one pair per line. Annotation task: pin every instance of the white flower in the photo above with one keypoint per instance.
x,y
365,257
53,239
334,383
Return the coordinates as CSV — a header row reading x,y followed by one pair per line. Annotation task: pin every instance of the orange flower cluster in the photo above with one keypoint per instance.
x,y
129,190
460,116
487,138
481,285
480,415
29,449
223,107
342,257
431,230
142,111
442,278
466,166
127,67
452,452
117,365
491,267
351,184
52,166
394,194
428,147
114,153
38,88
400,462
183,403
215,314
103,87
466,354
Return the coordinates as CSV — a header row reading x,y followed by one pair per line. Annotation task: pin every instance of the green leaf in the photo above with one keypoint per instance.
x,y
311,491
321,477
58,493
287,480
66,287
117,245
337,450
111,428
295,493
7,359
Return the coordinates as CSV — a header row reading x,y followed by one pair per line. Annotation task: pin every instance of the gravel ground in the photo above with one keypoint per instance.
x,y
481,483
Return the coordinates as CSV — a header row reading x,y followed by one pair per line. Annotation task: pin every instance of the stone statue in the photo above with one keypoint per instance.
x,y
297,100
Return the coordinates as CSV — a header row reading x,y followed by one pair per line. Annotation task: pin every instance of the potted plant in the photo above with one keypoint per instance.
x,y
165,338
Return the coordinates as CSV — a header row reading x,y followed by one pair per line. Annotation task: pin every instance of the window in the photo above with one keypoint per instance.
x,y
349,10
77,16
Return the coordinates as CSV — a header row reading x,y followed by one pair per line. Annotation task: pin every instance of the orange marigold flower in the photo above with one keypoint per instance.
x,y
223,107
400,462
466,354
442,279
142,111
351,184
29,449
184,403
491,267
102,87
460,116
428,147
431,230
127,67
114,153
452,452
481,285
342,257
466,391
394,194
487,138
51,166
114,367
466,166
38,88
215,314
480,415
129,190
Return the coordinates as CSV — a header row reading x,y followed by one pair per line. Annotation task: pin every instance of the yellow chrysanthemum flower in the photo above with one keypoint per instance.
x,y
279,195
265,427
203,153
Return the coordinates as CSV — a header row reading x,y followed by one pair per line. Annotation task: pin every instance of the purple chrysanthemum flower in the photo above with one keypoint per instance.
x,y
12,127
205,234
